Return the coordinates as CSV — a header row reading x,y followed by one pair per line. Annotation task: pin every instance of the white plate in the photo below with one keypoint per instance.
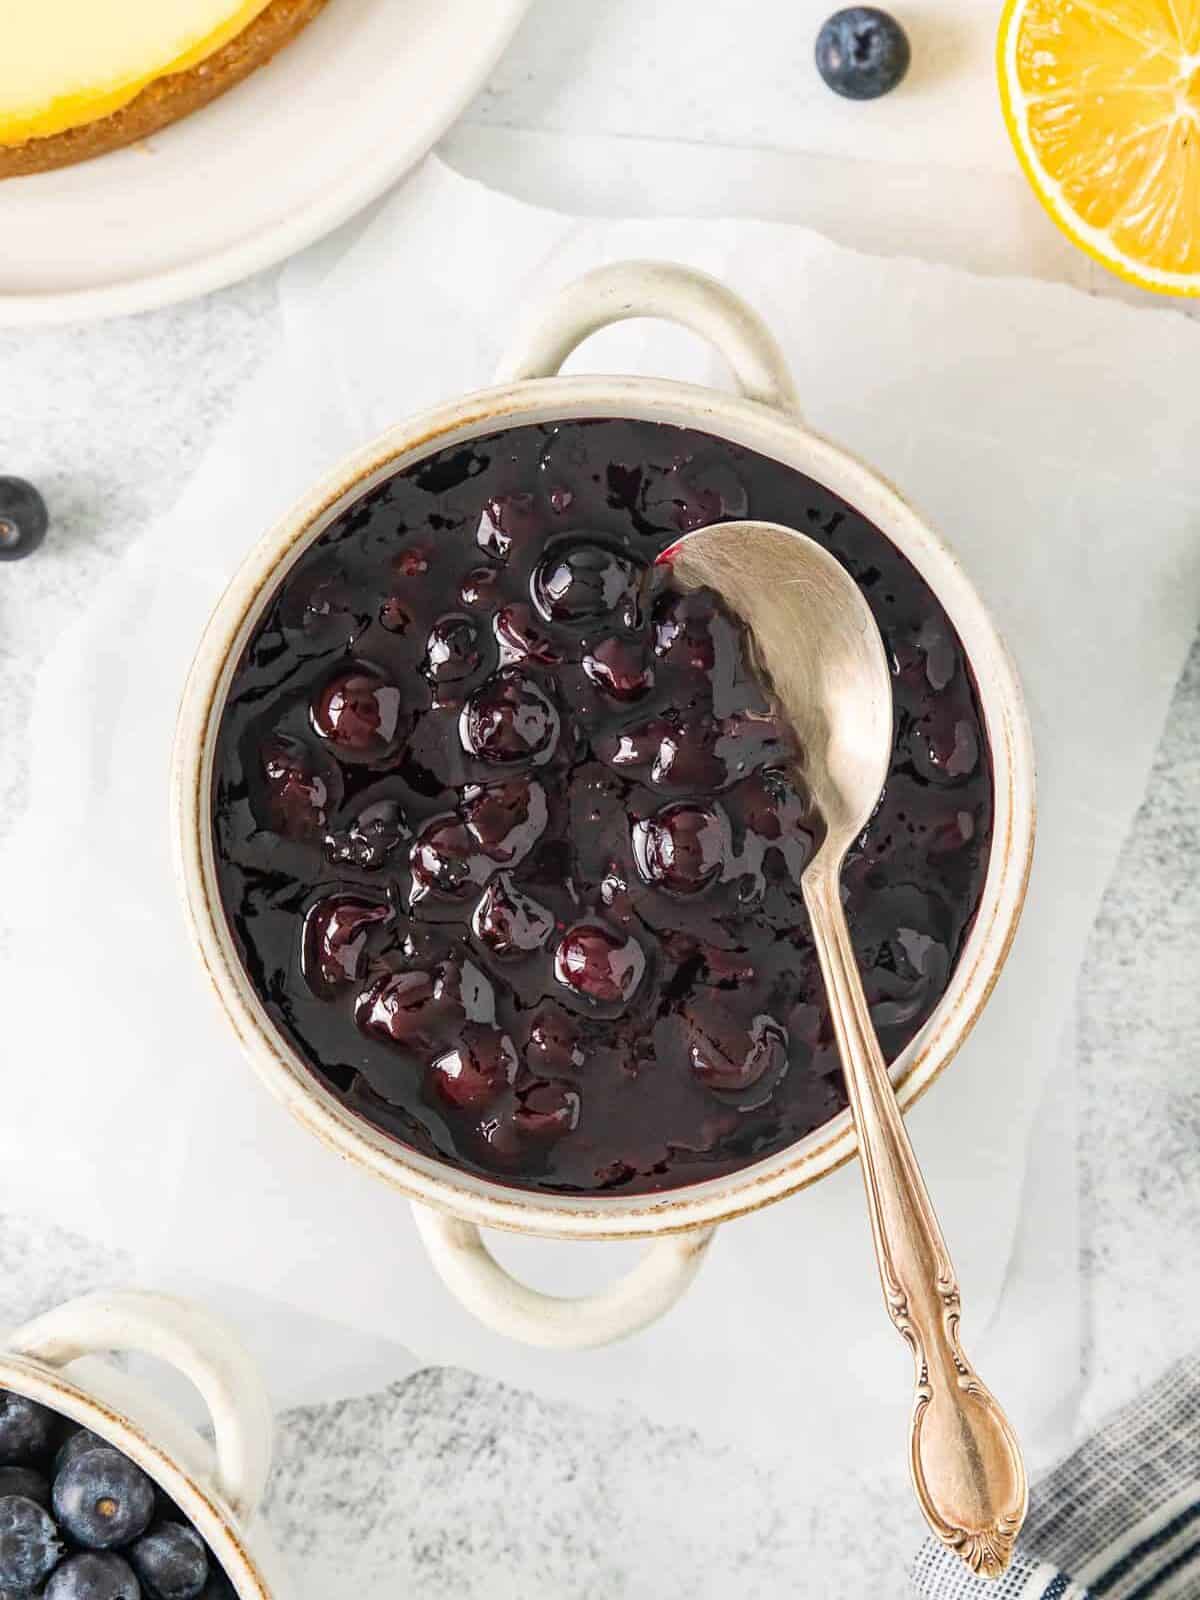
x,y
294,151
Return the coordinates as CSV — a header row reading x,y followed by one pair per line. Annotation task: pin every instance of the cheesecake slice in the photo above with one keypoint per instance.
x,y
79,78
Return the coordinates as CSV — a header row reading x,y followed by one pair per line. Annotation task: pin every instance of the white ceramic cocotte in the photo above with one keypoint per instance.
x,y
59,1360
452,1206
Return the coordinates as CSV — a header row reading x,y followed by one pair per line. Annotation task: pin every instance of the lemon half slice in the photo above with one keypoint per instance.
x,y
1102,100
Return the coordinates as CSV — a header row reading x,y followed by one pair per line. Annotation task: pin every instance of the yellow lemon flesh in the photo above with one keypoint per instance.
x,y
1102,100
64,63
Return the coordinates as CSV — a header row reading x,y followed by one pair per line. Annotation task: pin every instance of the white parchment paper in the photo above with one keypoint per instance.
x,y
1048,435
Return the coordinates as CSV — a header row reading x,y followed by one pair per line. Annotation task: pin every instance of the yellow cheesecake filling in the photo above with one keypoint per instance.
x,y
65,63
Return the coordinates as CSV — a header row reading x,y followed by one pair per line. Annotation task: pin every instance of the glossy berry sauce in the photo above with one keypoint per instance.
x,y
509,839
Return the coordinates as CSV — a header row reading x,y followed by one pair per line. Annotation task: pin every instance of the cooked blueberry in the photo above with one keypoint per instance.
x,y
547,1111
91,1576
585,582
598,964
725,1054
395,615
23,519
358,712
523,637
635,746
619,669
302,789
411,1008
687,758
509,922
681,847
477,587
553,1041
509,719
452,651
699,491
506,517
479,1067
26,1482
377,831
29,1543
334,940
26,1428
862,52
102,1500
507,818
414,562
171,1561
945,750
447,861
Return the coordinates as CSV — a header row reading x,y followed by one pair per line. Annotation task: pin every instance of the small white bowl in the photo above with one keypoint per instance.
x,y
55,1360
453,1205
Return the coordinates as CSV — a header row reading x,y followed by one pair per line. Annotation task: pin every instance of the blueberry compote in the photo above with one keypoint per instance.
x,y
510,841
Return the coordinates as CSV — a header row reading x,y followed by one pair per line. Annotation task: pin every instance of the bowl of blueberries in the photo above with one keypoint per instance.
x,y
490,837
106,1493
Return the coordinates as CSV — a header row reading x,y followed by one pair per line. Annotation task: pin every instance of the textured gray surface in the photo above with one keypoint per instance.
x,y
449,1485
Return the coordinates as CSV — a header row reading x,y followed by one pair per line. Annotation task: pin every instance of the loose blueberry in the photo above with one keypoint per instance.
x,y
585,582
25,1481
598,964
101,1499
23,519
479,1067
26,1428
358,713
509,719
862,52
682,847
29,1544
171,1561
94,1577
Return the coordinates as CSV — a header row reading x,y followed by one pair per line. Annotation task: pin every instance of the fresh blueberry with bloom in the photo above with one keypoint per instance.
x,y
171,1561
26,1428
29,1545
23,523
76,1444
862,52
25,1481
94,1575
102,1500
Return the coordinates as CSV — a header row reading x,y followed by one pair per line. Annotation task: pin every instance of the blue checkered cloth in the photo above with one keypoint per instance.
x,y
1118,1520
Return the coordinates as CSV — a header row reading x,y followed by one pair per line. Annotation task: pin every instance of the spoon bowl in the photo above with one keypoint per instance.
x,y
820,652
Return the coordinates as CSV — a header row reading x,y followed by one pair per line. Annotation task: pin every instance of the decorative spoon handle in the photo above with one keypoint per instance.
x,y
966,1463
